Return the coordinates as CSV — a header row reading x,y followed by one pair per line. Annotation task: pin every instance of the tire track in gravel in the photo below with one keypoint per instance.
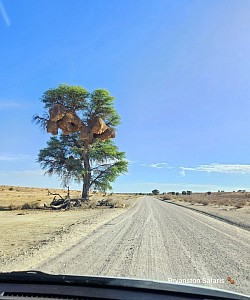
x,y
159,241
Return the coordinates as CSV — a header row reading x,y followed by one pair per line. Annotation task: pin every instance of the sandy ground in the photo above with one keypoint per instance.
x,y
162,241
29,236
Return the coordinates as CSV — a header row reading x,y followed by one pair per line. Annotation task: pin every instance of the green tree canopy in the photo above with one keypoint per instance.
x,y
98,103
95,165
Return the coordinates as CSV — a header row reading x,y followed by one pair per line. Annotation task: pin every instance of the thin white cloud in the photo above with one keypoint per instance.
x,y
9,104
14,157
157,165
4,14
184,186
30,172
220,168
23,173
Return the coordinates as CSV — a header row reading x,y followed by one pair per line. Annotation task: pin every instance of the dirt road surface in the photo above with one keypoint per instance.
x,y
161,241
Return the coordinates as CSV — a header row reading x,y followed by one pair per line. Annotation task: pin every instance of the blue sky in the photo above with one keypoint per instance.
x,y
179,70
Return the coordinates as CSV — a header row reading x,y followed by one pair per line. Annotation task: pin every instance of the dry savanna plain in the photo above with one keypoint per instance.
x,y
135,236
31,232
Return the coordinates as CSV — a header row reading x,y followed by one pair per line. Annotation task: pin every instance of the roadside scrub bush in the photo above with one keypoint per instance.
x,y
11,207
110,202
226,202
30,206
203,201
167,197
92,205
85,205
240,204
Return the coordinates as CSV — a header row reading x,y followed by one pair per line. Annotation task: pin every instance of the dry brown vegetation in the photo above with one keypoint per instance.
x,y
166,197
16,197
233,199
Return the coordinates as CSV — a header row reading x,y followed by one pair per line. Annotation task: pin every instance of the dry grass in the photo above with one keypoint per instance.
x,y
16,197
237,200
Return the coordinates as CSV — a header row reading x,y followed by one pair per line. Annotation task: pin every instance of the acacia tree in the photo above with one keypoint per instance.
x,y
155,192
96,163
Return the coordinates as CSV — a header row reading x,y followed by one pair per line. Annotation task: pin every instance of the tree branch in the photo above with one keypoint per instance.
x,y
97,177
104,165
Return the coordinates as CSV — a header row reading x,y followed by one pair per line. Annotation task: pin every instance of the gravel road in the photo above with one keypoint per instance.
x,y
161,241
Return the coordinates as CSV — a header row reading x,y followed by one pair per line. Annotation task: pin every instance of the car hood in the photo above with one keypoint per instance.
x,y
122,283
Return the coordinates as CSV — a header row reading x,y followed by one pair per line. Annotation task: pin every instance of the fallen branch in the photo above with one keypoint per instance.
x,y
54,194
62,203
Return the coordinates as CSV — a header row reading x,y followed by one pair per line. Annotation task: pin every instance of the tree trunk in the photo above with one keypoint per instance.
x,y
85,189
87,177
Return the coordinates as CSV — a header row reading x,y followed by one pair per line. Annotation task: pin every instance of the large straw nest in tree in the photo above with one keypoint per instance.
x,y
97,125
57,112
52,127
107,134
70,123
